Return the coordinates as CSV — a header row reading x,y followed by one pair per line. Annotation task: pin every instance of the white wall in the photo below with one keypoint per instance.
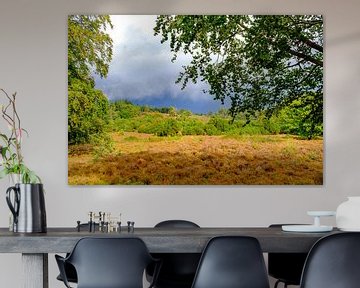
x,y
33,62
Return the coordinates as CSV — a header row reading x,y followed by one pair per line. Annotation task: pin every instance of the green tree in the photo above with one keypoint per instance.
x,y
260,62
88,112
125,109
89,46
89,52
296,118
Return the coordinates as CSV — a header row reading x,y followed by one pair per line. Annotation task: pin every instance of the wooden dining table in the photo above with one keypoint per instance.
x,y
35,247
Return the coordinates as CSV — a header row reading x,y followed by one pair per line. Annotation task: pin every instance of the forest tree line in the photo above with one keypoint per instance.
x,y
168,121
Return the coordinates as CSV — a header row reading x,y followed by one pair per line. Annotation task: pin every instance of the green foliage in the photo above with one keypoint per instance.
x,y
297,118
210,129
261,63
125,109
169,127
89,51
192,126
12,160
221,124
103,145
89,46
289,120
26,175
149,123
88,112
184,113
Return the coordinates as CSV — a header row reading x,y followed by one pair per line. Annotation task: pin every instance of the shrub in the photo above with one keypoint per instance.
x,y
210,129
169,127
192,127
103,145
88,112
299,119
221,124
125,109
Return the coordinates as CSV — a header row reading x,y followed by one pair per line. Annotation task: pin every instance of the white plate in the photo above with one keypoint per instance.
x,y
306,228
350,229
321,213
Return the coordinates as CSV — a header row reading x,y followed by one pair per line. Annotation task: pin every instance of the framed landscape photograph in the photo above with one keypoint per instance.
x,y
195,99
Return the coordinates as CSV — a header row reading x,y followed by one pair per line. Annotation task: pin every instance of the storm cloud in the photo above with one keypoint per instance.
x,y
141,70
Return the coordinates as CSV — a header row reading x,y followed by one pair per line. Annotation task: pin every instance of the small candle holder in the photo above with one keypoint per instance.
x,y
316,227
318,214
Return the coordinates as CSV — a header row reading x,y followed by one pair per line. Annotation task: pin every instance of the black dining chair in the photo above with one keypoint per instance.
x,y
108,263
178,269
70,271
285,267
333,262
232,262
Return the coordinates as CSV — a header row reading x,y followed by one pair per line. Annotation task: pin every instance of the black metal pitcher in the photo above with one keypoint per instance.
x,y
28,208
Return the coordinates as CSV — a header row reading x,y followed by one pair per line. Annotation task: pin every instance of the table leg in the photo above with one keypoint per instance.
x,y
35,270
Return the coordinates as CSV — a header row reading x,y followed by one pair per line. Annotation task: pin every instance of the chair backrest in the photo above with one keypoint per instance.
x,y
178,269
176,224
110,262
333,262
286,267
232,262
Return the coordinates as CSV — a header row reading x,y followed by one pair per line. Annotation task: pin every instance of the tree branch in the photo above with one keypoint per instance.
x,y
306,57
312,44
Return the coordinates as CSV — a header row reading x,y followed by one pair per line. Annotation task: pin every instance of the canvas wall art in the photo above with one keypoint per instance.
x,y
195,99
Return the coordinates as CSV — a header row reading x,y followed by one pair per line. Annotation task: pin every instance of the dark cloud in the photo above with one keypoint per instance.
x,y
141,70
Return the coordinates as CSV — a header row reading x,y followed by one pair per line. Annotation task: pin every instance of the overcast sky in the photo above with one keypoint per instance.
x,y
141,70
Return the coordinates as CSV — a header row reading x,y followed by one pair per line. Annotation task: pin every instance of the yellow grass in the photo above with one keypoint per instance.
x,y
206,160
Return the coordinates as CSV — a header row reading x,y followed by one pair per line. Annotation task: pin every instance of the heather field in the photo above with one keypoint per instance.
x,y
146,159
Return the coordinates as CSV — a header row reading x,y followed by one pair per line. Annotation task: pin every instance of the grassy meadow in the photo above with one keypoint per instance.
x,y
146,159
164,146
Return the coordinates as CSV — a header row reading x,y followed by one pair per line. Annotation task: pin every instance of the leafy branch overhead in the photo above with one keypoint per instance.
x,y
89,46
253,62
90,50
